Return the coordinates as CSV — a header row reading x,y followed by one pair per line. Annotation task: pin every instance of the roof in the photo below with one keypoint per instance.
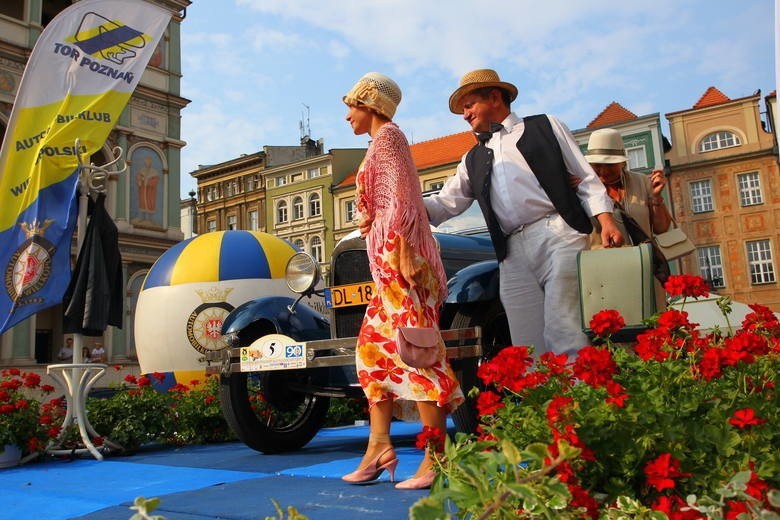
x,y
711,97
442,150
613,113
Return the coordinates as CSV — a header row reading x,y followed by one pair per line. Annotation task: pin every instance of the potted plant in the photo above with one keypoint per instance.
x,y
683,424
25,424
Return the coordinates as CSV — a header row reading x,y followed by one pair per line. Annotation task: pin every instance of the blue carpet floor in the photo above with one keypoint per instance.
x,y
219,481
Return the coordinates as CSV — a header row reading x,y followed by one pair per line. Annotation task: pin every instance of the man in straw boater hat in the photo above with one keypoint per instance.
x,y
520,174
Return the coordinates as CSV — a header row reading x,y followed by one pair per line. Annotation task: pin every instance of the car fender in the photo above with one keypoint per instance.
x,y
475,283
304,324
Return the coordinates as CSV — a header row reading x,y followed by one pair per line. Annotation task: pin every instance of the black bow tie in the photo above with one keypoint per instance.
x,y
484,137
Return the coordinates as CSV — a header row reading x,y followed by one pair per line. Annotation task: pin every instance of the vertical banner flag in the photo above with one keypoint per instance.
x,y
80,75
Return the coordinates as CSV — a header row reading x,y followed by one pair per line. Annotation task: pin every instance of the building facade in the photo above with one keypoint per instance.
x,y
143,200
726,190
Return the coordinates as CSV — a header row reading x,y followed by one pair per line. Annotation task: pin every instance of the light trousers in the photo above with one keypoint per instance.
x,y
539,288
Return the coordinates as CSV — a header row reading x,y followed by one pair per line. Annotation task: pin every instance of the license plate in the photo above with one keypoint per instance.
x,y
273,352
348,295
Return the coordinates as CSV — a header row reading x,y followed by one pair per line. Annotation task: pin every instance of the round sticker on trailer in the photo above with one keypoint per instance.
x,y
273,352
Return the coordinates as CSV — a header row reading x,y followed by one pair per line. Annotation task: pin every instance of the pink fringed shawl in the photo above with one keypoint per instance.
x,y
389,190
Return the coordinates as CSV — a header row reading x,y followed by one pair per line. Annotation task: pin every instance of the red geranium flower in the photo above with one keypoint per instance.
x,y
607,322
616,394
581,498
709,366
595,366
662,471
558,409
686,285
672,506
506,368
649,345
734,509
431,438
488,403
744,418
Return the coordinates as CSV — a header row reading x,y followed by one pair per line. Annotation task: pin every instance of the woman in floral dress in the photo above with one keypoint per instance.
x,y
410,285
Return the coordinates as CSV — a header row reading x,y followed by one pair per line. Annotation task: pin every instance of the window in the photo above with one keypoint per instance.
x,y
297,208
749,189
314,172
349,211
298,243
760,261
254,224
297,177
211,225
229,189
251,182
281,212
718,140
436,185
314,205
281,181
316,248
701,196
231,222
711,266
13,8
637,158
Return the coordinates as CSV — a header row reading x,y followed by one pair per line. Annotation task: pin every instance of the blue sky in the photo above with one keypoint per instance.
x,y
256,69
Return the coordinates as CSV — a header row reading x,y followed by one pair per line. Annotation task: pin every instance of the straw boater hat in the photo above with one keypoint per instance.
x,y
605,146
475,79
377,92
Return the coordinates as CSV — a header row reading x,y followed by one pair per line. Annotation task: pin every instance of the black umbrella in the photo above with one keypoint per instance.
x,y
94,299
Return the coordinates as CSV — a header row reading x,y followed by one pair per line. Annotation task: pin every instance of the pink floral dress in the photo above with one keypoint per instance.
x,y
388,189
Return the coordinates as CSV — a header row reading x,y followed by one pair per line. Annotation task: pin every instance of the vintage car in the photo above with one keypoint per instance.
x,y
285,359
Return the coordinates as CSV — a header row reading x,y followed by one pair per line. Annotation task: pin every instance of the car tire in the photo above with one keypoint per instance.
x,y
495,336
286,427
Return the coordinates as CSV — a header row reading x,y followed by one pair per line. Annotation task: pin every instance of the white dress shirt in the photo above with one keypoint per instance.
x,y
515,193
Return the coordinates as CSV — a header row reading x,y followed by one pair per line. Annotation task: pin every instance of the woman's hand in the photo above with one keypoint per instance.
x,y
657,182
408,263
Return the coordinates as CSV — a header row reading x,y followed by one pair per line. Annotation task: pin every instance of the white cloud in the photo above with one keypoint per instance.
x,y
249,65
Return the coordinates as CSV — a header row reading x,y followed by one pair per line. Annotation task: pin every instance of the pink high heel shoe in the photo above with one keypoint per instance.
x,y
424,481
373,469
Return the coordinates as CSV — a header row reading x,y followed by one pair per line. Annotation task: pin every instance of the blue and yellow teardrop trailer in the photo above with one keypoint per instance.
x,y
192,288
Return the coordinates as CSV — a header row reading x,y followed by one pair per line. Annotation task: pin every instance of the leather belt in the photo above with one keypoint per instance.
x,y
521,227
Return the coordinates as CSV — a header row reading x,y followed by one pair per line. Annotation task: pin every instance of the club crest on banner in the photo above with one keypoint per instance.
x,y
29,267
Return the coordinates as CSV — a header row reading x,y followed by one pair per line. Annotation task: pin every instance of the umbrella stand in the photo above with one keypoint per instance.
x,y
77,378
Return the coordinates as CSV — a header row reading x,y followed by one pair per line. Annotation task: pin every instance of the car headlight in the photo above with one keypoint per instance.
x,y
302,273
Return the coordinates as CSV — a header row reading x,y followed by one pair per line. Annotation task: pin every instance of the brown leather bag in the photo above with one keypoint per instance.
x,y
418,347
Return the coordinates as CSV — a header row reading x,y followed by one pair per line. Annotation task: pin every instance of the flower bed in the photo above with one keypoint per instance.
x,y
24,421
682,424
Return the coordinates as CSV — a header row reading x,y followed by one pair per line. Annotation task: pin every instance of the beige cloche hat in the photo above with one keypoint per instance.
x,y
475,79
376,91
605,146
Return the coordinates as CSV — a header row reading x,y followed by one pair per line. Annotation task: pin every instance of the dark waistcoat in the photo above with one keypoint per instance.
x,y
543,154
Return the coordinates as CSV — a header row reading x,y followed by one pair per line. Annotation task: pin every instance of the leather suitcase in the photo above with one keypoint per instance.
x,y
617,278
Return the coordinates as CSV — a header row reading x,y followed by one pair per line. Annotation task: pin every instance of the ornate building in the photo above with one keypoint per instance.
x,y
726,194
143,200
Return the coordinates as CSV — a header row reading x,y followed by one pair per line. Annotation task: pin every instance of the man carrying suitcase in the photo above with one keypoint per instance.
x,y
519,173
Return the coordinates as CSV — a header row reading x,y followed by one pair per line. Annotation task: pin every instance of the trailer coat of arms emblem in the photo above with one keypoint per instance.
x,y
204,325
